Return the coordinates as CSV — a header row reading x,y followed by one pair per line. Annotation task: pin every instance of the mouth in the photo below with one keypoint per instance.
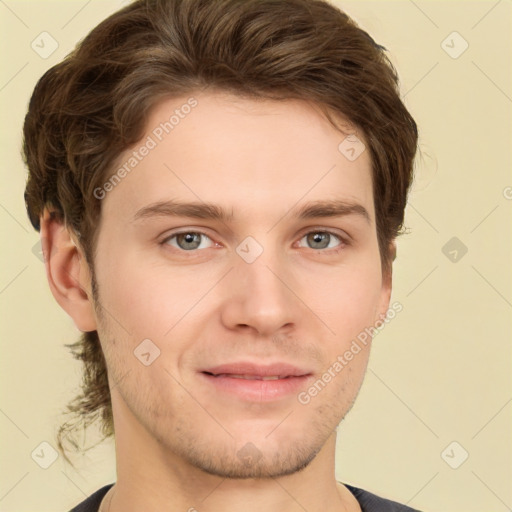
x,y
250,377
250,382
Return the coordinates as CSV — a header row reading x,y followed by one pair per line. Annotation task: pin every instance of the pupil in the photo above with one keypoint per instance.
x,y
319,240
190,240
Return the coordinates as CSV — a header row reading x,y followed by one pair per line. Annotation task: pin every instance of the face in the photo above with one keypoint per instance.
x,y
237,261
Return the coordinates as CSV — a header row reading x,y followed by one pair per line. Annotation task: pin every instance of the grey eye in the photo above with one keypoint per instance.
x,y
321,240
188,241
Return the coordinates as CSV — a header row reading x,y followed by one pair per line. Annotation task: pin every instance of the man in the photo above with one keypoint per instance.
x,y
218,187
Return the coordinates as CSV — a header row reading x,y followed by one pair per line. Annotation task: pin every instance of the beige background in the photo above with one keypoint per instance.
x,y
440,372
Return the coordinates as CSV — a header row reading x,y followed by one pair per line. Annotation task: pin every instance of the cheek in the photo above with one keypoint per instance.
x,y
140,297
349,299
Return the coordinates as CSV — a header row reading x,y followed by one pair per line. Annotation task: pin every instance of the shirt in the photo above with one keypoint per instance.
x,y
367,501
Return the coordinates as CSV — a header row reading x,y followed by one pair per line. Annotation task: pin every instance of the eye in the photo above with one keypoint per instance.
x,y
322,240
188,241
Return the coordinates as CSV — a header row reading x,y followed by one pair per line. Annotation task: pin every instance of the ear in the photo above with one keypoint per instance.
x,y
67,271
387,281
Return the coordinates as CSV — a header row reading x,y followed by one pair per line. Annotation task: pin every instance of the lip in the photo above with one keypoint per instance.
x,y
291,380
258,370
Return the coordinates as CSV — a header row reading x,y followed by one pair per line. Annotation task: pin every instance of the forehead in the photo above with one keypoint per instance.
x,y
246,155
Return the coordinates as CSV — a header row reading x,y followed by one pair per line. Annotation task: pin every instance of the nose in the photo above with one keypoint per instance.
x,y
259,296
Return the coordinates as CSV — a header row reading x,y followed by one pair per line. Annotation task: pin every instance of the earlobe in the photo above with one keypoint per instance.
x,y
67,272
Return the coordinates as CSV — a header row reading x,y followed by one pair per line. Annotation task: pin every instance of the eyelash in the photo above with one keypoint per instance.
x,y
343,241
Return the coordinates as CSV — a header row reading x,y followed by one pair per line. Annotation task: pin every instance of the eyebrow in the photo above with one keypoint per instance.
x,y
333,208
174,208
200,210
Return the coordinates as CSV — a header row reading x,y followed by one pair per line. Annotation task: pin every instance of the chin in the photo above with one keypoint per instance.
x,y
251,463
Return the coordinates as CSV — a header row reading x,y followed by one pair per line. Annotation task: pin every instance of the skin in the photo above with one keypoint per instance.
x,y
178,438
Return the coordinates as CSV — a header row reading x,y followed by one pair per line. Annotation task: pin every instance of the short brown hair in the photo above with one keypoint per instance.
x,y
92,106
